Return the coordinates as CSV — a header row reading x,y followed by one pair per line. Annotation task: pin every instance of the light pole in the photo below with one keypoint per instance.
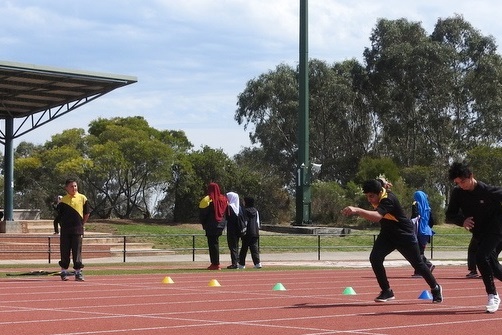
x,y
303,195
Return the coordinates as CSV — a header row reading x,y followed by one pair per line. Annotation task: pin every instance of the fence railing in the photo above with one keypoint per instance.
x,y
125,246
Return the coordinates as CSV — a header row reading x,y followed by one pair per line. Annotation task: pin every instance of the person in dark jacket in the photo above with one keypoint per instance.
x,y
212,210
252,238
396,233
72,213
235,219
477,207
55,206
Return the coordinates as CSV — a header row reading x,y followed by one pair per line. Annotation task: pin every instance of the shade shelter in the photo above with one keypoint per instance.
x,y
31,96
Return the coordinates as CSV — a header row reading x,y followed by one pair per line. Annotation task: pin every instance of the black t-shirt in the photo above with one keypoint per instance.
x,y
394,223
483,204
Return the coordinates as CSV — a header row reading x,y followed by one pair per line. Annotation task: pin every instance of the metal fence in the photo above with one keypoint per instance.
x,y
126,246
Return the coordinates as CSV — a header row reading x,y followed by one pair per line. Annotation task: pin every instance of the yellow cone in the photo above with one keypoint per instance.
x,y
167,280
213,282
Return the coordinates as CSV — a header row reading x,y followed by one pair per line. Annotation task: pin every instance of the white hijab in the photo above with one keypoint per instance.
x,y
233,201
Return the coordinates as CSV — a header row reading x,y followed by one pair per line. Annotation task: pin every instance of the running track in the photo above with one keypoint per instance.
x,y
245,303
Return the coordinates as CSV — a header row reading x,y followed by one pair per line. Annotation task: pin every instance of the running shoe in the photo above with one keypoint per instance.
x,y
385,296
472,274
437,294
493,303
79,276
64,275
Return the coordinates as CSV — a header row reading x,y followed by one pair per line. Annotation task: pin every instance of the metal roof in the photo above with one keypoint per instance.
x,y
27,89
31,96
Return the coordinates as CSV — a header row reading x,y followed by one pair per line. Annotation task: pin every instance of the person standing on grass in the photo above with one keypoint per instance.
x,y
252,238
235,217
212,210
477,207
72,213
396,233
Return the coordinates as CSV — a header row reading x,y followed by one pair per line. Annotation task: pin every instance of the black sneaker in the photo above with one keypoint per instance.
x,y
472,274
385,296
79,276
437,294
64,275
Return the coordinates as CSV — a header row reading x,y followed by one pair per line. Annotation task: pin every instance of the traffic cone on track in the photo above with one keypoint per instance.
x,y
349,291
213,282
279,287
426,295
167,280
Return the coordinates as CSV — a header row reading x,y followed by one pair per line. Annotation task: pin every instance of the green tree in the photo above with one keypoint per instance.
x,y
340,128
30,191
40,171
341,123
131,163
270,104
399,63
474,105
190,176
371,168
328,199
486,163
436,96
261,181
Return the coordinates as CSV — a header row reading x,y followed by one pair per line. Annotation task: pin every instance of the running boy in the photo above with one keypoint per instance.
x,y
477,207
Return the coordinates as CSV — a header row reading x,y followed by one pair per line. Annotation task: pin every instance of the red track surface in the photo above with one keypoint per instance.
x,y
245,303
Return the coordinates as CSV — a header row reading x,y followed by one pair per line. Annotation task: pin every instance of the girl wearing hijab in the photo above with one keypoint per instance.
x,y
235,224
422,217
212,210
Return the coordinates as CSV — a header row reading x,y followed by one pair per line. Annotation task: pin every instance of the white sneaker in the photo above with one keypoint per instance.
x,y
493,303
242,267
257,266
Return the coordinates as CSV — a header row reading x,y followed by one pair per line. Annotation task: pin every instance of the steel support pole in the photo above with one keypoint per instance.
x,y
303,195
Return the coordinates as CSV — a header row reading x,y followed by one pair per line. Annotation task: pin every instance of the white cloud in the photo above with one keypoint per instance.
x,y
193,57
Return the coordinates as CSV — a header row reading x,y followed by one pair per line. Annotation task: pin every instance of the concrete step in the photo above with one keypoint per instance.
x,y
95,245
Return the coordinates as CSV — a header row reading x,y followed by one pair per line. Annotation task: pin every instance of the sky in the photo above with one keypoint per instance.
x,y
192,58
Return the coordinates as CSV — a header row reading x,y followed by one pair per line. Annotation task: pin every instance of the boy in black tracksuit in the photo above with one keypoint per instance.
x,y
396,233
477,207
252,237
